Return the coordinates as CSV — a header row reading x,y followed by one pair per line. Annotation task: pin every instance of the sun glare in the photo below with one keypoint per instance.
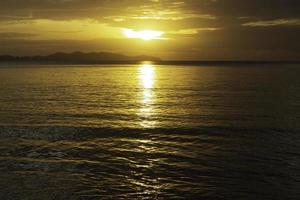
x,y
143,34
147,75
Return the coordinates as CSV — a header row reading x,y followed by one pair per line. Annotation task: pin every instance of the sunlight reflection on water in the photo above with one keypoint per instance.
x,y
147,76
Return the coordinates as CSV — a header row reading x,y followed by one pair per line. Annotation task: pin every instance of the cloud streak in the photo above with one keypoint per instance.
x,y
276,22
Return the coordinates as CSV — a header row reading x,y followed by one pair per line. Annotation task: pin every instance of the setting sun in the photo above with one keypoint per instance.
x,y
143,34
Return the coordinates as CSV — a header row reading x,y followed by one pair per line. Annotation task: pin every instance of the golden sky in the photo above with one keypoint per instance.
x,y
170,29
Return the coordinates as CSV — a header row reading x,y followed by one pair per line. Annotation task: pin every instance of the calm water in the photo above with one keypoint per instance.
x,y
150,132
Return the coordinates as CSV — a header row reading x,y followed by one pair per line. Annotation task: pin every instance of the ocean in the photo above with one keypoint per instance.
x,y
150,131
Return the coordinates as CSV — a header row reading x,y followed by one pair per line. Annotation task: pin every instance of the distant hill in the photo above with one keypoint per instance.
x,y
114,58
79,57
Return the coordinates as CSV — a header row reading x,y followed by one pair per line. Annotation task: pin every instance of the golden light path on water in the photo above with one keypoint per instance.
x,y
147,75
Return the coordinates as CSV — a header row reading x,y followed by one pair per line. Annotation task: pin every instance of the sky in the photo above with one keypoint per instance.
x,y
169,29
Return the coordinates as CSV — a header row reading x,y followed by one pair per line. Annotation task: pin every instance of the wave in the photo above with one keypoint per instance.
x,y
78,133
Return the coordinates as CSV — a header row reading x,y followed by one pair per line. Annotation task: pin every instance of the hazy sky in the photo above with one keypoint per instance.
x,y
190,29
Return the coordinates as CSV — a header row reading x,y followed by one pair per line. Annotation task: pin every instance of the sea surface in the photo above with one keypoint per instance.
x,y
150,132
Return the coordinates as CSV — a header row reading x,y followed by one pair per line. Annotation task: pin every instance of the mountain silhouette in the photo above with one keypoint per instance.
x,y
79,57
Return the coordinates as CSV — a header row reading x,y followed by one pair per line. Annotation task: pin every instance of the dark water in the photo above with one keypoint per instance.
x,y
150,132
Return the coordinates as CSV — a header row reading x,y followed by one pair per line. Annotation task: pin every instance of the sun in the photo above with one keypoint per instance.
x,y
143,34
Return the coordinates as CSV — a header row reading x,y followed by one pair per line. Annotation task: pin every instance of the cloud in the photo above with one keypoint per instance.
x,y
192,31
77,9
16,35
161,15
276,22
